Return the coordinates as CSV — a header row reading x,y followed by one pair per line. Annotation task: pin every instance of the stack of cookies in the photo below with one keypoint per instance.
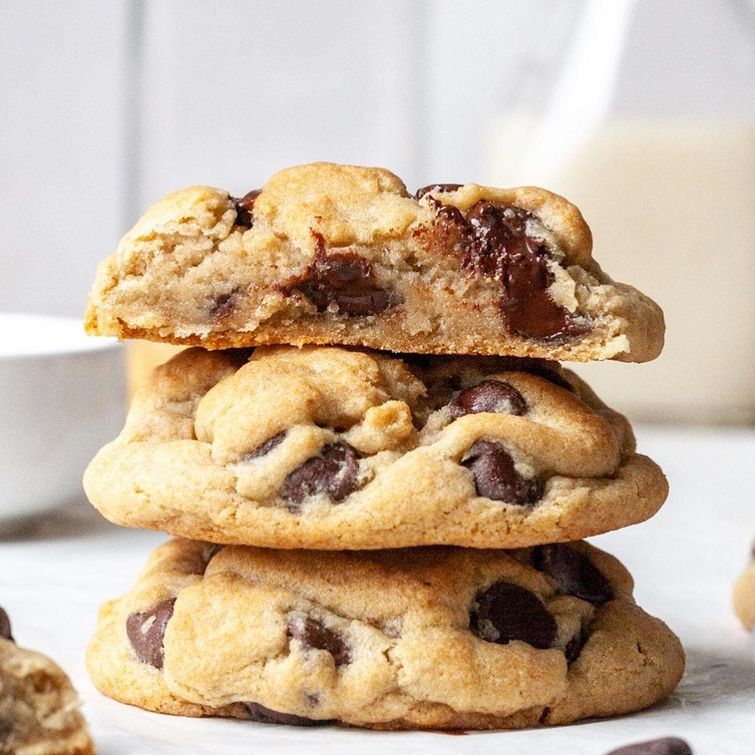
x,y
377,375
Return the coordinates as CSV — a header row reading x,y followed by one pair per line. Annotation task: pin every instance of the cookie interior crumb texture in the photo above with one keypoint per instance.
x,y
417,638
38,706
335,254
333,448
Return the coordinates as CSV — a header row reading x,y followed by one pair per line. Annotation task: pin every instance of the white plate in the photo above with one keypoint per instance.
x,y
62,395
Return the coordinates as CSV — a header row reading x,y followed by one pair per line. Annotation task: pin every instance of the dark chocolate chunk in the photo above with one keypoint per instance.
x,y
344,279
334,473
493,234
495,244
146,632
488,396
436,188
506,612
313,634
265,448
495,475
244,207
224,305
499,247
5,628
662,746
575,573
574,646
551,375
265,715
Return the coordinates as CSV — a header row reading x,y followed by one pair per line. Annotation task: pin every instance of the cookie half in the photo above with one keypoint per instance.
x,y
337,254
328,448
416,638
38,705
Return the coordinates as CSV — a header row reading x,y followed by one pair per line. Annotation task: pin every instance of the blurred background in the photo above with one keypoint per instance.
x,y
642,113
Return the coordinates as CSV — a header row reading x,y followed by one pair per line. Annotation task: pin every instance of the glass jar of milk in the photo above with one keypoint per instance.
x,y
645,118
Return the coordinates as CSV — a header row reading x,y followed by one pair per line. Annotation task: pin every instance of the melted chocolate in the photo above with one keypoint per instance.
x,y
436,188
495,244
244,207
341,278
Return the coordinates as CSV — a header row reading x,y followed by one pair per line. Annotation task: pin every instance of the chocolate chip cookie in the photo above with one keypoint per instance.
x,y
744,595
38,706
335,254
415,638
329,448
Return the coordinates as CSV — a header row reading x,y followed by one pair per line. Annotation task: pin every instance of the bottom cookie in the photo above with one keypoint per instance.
x,y
38,706
406,639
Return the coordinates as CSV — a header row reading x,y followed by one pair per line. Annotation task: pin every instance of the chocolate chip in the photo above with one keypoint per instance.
x,y
313,634
224,304
662,746
551,375
343,279
506,612
265,448
146,632
488,396
495,475
498,246
575,573
574,646
333,473
436,188
495,244
5,628
244,207
265,715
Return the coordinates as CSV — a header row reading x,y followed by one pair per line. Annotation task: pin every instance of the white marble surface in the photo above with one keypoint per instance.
x,y
684,561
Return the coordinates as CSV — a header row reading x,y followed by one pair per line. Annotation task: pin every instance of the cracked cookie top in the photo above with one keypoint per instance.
x,y
325,447
337,254
412,638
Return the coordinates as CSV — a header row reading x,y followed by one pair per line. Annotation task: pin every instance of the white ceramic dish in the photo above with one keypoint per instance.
x,y
62,395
